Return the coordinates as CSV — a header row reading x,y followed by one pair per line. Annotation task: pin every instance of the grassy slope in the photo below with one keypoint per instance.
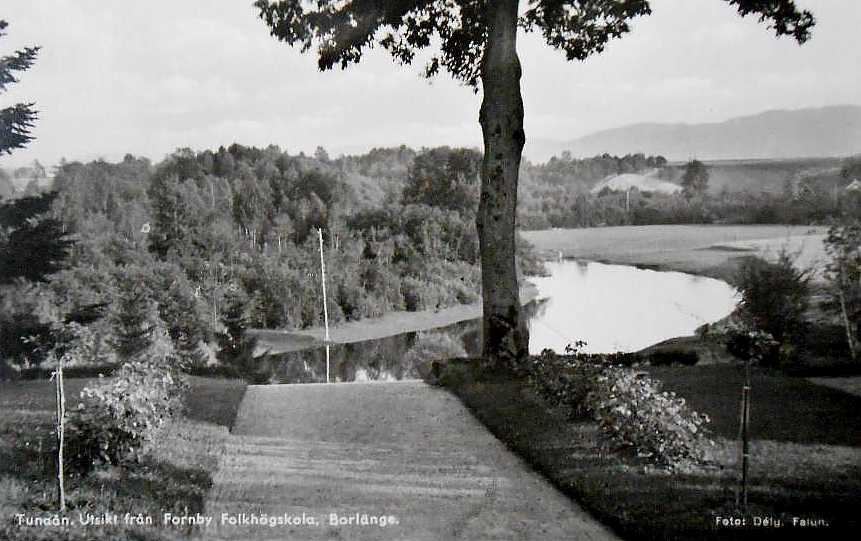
x,y
173,477
768,175
640,503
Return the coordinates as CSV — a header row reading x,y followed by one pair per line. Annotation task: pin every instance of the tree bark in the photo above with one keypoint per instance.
x,y
506,338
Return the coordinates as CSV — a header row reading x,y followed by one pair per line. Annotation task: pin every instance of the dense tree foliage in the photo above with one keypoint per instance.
x,y
695,180
33,245
774,296
167,248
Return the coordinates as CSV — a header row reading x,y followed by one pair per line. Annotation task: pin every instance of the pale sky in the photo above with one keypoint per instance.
x,y
145,78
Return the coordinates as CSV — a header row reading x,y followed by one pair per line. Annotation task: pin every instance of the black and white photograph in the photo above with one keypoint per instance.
x,y
430,270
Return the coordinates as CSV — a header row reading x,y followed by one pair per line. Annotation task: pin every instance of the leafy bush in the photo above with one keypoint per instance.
x,y
629,407
774,296
116,420
754,345
659,425
565,382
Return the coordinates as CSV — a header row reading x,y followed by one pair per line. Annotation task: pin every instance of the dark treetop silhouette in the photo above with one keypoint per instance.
x,y
16,120
477,45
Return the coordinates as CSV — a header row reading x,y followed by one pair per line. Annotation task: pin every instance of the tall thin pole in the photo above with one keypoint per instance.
x,y
61,415
745,445
745,438
325,308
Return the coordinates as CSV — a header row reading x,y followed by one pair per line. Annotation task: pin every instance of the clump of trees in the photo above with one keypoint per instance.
x,y
695,179
17,120
559,194
774,299
166,246
775,296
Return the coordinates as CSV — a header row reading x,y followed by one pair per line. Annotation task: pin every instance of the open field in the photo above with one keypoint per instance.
x,y
709,250
173,477
770,176
793,476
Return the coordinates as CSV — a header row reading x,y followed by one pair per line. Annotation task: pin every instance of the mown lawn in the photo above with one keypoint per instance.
x,y
173,477
800,468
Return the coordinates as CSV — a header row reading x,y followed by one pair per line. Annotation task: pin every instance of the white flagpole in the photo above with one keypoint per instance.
x,y
325,308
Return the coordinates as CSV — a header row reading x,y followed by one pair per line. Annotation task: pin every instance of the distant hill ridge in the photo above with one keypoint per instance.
x,y
775,134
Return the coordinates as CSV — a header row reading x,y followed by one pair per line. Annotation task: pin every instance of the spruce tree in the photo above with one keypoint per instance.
x,y
17,120
32,244
133,320
237,346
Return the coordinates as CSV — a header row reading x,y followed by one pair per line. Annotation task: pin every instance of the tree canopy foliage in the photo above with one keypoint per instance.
x,y
33,245
342,30
166,249
17,120
695,180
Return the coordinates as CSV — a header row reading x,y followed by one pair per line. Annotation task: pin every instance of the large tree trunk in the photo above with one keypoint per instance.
x,y
506,338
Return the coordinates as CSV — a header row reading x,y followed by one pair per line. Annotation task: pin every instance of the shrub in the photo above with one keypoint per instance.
x,y
756,346
116,420
774,296
629,407
564,382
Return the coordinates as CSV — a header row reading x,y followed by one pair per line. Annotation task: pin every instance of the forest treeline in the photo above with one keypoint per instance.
x,y
203,235
559,194
177,245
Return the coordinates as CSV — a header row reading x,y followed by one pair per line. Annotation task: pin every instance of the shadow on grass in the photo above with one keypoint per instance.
x,y
215,401
783,408
643,503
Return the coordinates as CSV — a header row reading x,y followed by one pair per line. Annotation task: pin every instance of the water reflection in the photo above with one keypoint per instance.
x,y
622,308
611,307
384,359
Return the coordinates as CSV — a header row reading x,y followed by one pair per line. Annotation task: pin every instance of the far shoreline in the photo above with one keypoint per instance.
x,y
713,251
272,341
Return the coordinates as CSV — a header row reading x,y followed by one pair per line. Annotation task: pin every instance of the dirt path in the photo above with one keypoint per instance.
x,y
404,450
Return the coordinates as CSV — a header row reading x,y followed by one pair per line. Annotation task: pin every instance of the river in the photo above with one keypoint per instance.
x,y
610,307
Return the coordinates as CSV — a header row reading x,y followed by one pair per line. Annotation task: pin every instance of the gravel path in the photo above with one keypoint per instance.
x,y
405,454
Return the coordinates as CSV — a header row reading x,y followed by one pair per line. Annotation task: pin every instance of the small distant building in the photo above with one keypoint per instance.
x,y
854,186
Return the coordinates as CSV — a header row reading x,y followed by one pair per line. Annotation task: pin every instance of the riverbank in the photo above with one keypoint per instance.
x,y
391,324
707,250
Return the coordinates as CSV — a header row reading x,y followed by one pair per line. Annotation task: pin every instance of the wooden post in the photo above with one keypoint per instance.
x,y
61,415
745,444
745,439
325,308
